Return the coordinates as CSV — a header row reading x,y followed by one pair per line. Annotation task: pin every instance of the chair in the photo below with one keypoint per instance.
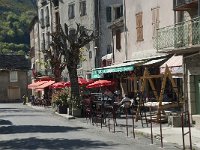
x,y
87,108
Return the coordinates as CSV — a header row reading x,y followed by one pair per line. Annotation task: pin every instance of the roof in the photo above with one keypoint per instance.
x,y
12,62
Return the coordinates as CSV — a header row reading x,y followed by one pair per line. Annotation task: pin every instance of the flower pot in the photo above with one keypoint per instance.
x,y
62,109
76,112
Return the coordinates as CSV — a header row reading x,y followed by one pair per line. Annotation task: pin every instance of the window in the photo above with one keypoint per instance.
x,y
109,49
42,18
139,26
118,39
43,42
71,13
118,12
57,20
13,76
155,20
90,54
82,8
47,16
48,40
108,14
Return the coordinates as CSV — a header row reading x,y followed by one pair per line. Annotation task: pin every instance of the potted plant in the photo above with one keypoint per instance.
x,y
61,101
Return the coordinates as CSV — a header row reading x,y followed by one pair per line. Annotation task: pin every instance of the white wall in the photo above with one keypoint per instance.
x,y
143,49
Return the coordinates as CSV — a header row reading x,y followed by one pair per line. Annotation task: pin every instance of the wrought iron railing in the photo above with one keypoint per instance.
x,y
180,35
178,3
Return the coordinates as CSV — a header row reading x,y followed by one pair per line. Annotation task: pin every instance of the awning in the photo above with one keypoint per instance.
x,y
107,57
175,65
151,62
35,84
48,83
128,66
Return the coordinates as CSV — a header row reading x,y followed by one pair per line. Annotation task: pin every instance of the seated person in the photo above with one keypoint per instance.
x,y
126,104
108,95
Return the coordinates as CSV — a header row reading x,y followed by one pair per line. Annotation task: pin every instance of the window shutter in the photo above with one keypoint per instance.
x,y
139,27
118,39
155,20
108,14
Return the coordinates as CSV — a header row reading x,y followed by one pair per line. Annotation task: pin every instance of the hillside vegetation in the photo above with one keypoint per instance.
x,y
15,17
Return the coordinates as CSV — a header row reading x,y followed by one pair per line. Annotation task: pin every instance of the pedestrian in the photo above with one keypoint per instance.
x,y
24,99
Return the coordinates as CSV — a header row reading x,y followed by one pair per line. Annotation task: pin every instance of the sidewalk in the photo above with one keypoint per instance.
x,y
170,134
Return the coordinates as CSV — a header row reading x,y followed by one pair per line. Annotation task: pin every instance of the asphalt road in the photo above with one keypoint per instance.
x,y
25,128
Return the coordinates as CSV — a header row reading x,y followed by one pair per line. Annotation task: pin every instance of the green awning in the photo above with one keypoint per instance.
x,y
98,72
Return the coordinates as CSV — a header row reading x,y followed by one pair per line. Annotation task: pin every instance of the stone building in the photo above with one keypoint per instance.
x,y
13,77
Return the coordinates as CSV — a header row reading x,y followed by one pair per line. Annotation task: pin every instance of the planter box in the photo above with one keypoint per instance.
x,y
62,109
76,112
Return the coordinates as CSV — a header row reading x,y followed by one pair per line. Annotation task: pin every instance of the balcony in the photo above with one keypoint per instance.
x,y
185,5
43,2
179,37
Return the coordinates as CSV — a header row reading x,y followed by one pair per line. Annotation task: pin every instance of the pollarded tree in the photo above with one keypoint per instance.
x,y
54,54
70,43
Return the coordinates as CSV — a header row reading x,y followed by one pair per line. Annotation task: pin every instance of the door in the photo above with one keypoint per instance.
x,y
13,93
197,82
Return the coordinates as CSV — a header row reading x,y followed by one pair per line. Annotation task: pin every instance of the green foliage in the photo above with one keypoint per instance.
x,y
15,17
62,97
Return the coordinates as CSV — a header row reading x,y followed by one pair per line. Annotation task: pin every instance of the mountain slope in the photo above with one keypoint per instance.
x,y
16,6
15,16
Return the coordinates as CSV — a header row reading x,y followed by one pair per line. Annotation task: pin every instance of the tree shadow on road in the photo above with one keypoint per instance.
x,y
52,144
36,129
5,122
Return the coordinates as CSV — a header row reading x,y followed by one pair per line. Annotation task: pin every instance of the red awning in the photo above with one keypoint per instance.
x,y
48,83
35,84
58,85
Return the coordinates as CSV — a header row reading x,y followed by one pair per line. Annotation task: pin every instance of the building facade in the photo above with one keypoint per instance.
x,y
182,38
13,77
95,15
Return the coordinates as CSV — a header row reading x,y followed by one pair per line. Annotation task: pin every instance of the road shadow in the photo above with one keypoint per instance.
x,y
36,129
5,122
53,144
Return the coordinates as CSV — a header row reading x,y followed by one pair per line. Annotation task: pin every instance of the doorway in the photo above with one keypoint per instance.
x,y
197,86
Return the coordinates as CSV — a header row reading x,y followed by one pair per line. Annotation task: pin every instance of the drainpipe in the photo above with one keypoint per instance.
x,y
198,7
125,31
113,50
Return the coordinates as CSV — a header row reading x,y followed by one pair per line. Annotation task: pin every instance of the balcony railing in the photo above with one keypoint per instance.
x,y
184,4
181,35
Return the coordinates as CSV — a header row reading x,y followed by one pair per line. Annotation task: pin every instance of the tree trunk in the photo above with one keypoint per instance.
x,y
57,73
75,93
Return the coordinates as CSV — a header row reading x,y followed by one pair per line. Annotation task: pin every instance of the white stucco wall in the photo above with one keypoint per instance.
x,y
143,49
136,6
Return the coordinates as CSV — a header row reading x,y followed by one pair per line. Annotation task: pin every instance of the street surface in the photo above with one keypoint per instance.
x,y
25,128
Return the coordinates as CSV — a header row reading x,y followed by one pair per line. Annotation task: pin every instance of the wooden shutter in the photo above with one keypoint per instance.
x,y
139,27
108,14
155,20
118,39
